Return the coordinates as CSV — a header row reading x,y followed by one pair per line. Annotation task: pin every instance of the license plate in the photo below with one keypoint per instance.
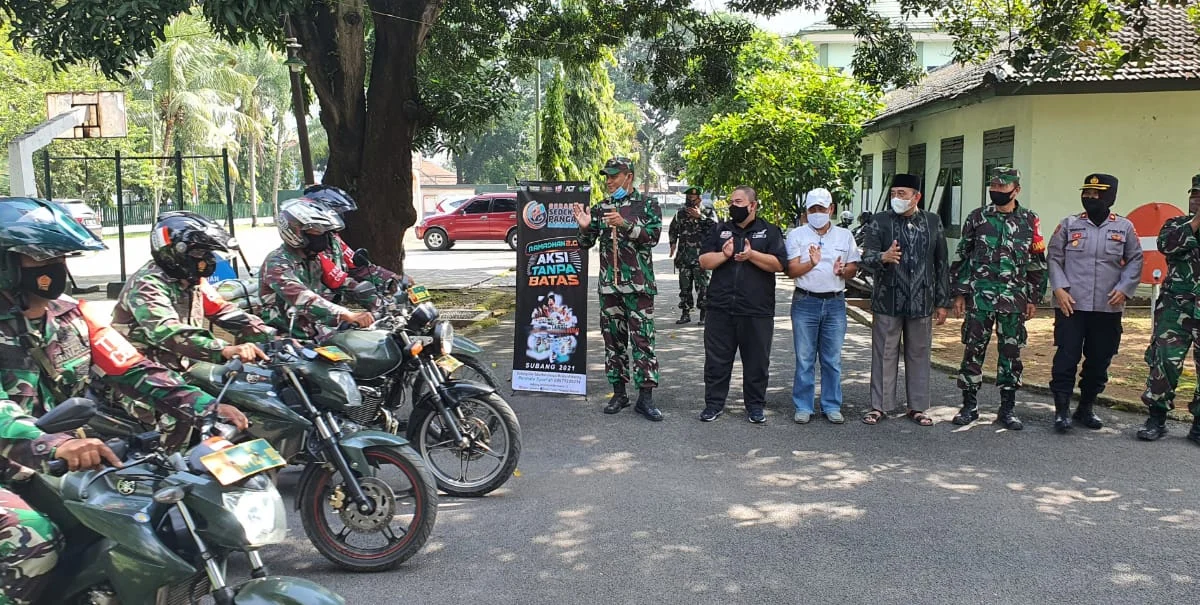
x,y
333,354
448,364
233,464
418,294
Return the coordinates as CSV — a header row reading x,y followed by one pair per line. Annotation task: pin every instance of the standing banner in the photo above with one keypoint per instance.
x,y
550,352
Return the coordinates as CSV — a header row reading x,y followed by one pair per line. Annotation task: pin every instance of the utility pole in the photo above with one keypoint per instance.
x,y
295,65
537,121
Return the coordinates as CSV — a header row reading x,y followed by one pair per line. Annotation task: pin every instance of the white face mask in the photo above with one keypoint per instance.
x,y
818,220
900,206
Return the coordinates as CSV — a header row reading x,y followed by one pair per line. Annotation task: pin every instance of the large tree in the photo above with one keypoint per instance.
x,y
363,55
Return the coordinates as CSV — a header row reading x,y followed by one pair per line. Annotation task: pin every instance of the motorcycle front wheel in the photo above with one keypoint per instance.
x,y
405,511
494,437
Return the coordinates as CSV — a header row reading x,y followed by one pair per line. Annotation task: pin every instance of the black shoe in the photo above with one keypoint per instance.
x,y
1084,414
1155,427
756,416
618,402
685,318
1005,417
969,412
1062,412
701,322
645,406
709,415
1194,434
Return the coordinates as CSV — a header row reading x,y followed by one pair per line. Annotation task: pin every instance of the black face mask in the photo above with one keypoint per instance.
x,y
739,214
318,243
1097,209
1000,198
48,282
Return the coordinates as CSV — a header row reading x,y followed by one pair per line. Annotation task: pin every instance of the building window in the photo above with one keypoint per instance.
x,y
997,151
866,194
889,171
823,55
947,194
916,166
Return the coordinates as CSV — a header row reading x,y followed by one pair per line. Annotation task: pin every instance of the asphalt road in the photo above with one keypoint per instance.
x,y
616,509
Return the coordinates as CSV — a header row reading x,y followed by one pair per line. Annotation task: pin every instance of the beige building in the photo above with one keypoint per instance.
x,y
1142,125
835,47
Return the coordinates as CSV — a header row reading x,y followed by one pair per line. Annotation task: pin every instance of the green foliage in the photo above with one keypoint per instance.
x,y
598,130
554,157
503,153
796,127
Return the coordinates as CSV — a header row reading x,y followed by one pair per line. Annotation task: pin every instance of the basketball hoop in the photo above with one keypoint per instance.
x,y
104,118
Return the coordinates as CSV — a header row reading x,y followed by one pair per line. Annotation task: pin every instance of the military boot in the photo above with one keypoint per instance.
x,y
619,400
645,405
1194,434
1004,417
970,410
1084,414
1062,412
686,317
701,322
1156,426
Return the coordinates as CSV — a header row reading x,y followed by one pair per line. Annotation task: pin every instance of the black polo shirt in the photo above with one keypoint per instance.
x,y
742,288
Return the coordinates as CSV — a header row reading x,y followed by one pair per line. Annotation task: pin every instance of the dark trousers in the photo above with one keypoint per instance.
x,y
724,336
1093,335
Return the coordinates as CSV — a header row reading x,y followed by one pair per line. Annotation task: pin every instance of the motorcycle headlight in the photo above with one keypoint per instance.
x,y
261,514
345,381
423,315
443,337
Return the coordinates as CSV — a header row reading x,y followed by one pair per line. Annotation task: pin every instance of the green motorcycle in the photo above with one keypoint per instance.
x,y
160,528
366,498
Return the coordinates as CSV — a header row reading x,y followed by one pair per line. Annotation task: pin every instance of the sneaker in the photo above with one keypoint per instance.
x,y
802,417
709,415
835,417
756,416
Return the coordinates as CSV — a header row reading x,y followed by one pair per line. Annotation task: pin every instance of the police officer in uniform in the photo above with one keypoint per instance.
x,y
744,253
1095,266
1176,320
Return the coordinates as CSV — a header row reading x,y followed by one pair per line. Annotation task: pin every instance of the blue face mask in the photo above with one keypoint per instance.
x,y
620,193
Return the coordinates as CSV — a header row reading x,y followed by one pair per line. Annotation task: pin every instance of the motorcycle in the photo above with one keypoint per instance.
x,y
863,283
454,423
301,401
160,528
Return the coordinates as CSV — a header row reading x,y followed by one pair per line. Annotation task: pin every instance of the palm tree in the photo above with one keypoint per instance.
x,y
263,107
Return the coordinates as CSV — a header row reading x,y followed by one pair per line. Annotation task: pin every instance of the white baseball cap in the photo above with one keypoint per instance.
x,y
818,197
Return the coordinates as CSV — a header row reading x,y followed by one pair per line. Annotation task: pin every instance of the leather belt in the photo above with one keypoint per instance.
x,y
819,294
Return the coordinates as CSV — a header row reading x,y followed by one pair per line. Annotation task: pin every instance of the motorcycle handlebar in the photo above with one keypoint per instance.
x,y
57,468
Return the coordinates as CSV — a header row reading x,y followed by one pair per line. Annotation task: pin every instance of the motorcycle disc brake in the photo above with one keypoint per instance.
x,y
384,499
477,432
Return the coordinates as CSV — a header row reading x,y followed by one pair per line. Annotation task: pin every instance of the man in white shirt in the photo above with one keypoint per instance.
x,y
820,256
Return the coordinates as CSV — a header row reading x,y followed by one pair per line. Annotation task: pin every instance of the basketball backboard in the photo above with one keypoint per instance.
x,y
105,118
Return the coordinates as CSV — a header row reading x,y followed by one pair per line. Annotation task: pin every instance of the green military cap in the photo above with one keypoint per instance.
x,y
1195,184
692,191
1005,175
616,166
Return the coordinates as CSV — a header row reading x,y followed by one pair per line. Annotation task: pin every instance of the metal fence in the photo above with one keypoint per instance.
x,y
142,214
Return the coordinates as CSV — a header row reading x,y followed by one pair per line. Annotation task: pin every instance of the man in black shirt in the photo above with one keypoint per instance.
x,y
744,253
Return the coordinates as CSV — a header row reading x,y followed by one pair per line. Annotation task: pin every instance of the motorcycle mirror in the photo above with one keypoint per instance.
x,y
169,495
67,416
362,258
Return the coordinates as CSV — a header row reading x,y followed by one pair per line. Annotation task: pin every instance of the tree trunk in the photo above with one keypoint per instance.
x,y
370,153
278,169
253,161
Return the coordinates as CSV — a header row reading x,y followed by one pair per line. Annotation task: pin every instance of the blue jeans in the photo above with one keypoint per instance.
x,y
818,327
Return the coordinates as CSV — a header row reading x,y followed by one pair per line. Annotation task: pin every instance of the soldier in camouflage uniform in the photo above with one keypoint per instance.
x,y
687,232
51,349
340,261
1176,320
293,276
627,227
163,307
998,280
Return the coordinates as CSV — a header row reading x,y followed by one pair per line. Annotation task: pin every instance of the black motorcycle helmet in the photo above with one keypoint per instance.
x,y
185,244
331,197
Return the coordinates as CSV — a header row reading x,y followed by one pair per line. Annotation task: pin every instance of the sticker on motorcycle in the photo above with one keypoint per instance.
x,y
333,354
418,294
233,464
448,363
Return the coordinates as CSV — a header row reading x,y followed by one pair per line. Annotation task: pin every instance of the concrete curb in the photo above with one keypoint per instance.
x,y
1116,403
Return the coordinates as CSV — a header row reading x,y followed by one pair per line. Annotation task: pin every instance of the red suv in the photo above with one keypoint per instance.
x,y
486,217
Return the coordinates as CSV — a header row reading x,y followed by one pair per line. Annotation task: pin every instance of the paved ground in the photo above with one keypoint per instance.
x,y
616,509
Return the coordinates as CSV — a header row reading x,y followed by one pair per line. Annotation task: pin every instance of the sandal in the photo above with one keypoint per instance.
x,y
873,417
919,418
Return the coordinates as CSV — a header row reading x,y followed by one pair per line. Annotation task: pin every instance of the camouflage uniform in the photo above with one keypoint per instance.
x,y
1176,316
627,286
1001,267
164,318
43,362
288,279
686,235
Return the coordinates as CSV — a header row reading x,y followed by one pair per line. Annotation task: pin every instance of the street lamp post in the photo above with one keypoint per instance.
x,y
295,65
